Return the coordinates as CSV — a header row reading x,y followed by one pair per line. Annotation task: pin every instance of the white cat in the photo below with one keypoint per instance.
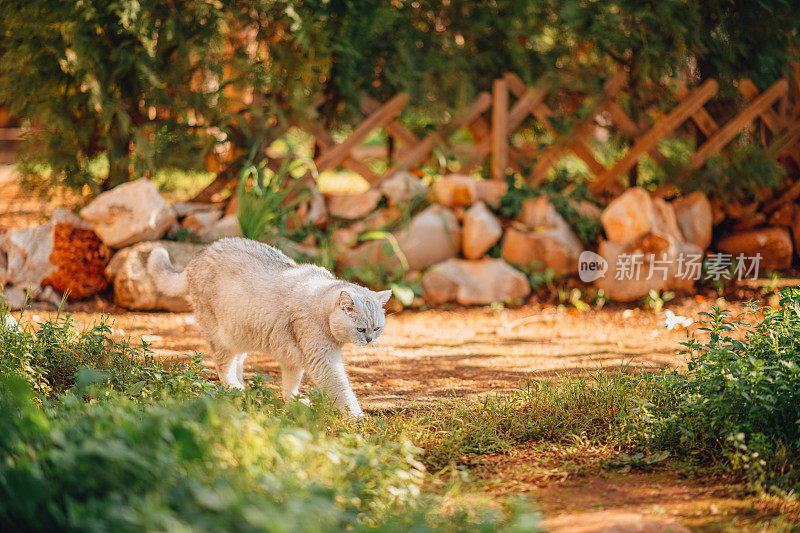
x,y
250,297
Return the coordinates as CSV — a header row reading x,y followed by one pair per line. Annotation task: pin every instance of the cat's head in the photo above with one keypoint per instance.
x,y
358,316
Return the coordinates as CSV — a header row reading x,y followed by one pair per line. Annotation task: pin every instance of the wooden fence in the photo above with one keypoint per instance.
x,y
10,136
773,116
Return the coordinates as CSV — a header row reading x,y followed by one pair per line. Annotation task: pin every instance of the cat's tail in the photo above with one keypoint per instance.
x,y
168,280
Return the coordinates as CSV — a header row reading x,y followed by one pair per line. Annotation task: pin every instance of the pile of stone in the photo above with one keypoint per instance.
x,y
649,243
71,255
446,244
671,239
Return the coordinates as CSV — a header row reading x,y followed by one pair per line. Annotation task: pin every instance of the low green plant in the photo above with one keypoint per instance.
x,y
539,278
50,354
738,405
184,235
201,464
656,300
88,450
573,297
592,407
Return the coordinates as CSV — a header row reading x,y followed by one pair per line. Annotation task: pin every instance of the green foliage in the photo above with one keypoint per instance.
x,y
267,197
151,85
51,354
145,84
742,173
564,194
190,455
203,464
739,403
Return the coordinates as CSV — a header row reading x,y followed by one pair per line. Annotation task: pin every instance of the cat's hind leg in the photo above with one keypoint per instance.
x,y
240,367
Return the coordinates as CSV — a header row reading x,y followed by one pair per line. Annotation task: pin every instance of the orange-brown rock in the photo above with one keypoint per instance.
x,y
773,243
694,215
353,206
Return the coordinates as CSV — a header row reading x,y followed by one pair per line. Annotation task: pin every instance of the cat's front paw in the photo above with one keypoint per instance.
x,y
354,414
305,400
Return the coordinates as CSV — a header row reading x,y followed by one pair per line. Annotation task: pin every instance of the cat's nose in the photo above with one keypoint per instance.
x,y
369,339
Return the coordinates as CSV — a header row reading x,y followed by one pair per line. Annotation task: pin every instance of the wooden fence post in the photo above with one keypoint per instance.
x,y
499,129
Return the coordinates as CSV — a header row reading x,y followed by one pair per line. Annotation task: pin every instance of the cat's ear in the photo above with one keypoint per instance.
x,y
383,296
345,302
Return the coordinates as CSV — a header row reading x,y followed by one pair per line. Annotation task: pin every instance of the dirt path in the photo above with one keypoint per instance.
x,y
424,356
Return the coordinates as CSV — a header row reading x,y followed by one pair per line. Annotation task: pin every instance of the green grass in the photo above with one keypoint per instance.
x,y
97,436
182,185
594,407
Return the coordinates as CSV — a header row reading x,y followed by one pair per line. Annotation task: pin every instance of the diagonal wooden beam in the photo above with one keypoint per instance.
x,y
326,142
629,127
336,155
418,153
663,127
394,128
790,137
726,134
622,120
774,122
705,122
542,113
581,130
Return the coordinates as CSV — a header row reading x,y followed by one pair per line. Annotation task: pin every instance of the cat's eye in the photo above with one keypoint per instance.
x,y
361,330
376,329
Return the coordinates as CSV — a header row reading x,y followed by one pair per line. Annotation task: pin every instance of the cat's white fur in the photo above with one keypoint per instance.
x,y
250,297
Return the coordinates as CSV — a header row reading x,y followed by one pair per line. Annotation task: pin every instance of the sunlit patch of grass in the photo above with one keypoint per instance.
x,y
117,441
592,408
181,185
341,181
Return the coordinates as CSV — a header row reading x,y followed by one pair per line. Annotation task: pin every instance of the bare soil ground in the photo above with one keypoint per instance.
x,y
428,355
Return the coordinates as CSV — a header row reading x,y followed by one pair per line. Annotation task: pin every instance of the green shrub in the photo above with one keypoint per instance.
x,y
132,445
267,197
739,403
203,464
742,173
51,353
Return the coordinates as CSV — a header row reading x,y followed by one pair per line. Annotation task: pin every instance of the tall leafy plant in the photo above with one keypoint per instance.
x,y
267,197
